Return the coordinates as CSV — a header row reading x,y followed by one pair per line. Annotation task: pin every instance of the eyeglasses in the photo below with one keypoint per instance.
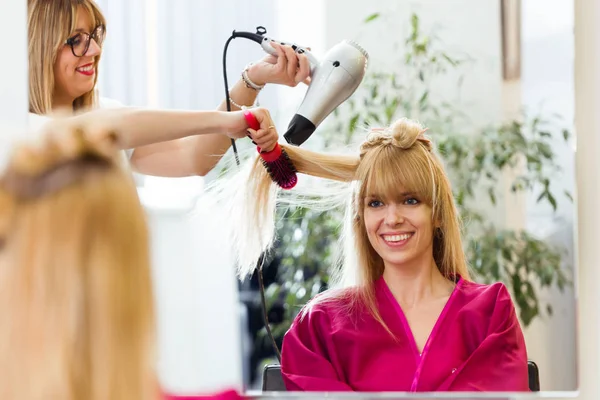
x,y
80,43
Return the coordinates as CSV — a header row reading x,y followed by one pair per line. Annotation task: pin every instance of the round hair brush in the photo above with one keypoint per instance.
x,y
277,161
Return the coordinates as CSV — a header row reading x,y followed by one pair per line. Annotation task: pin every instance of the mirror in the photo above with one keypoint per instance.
x,y
492,80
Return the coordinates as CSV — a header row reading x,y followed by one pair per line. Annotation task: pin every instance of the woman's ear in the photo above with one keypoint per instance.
x,y
437,227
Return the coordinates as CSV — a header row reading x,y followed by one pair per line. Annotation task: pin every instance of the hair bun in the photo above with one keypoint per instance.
x,y
403,133
61,142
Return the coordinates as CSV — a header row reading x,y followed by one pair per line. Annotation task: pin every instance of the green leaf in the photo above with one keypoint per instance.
x,y
492,195
372,17
450,60
374,91
374,117
506,254
353,122
552,200
545,150
569,196
414,22
566,134
390,110
541,196
423,99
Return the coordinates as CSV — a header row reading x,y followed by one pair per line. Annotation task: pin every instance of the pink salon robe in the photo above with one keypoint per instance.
x,y
476,345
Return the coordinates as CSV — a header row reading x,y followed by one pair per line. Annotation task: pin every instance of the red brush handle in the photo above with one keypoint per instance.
x,y
254,124
251,120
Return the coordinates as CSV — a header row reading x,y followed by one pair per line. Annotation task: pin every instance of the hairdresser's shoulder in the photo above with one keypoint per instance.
x,y
106,102
36,122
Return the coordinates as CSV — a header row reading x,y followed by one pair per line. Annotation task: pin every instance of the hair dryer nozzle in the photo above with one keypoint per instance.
x,y
334,80
299,130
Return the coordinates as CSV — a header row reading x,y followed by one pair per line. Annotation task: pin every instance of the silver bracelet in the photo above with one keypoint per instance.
x,y
248,81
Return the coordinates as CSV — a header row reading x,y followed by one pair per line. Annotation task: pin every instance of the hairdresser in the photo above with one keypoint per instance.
x,y
65,45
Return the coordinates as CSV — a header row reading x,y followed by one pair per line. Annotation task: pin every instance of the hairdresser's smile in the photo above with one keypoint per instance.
x,y
87,69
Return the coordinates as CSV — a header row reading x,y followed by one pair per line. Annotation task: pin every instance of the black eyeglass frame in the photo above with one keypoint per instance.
x,y
97,35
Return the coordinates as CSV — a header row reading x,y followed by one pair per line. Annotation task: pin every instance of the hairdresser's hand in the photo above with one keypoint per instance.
x,y
287,68
265,137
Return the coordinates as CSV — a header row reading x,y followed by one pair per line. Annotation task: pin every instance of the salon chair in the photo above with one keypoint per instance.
x,y
273,381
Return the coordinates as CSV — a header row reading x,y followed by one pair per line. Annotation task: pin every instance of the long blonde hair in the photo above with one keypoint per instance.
x,y
400,156
76,300
49,24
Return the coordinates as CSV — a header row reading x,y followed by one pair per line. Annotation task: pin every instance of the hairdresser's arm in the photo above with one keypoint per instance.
x,y
198,155
140,127
190,155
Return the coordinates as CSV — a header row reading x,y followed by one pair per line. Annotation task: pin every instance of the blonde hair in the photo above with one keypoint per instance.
x,y
49,25
76,301
400,156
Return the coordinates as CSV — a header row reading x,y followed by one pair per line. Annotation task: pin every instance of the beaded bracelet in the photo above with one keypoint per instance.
x,y
248,81
241,107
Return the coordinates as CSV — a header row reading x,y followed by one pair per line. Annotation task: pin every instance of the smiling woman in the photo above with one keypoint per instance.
x,y
413,318
69,80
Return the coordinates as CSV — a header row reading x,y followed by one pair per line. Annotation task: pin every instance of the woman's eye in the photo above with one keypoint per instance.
x,y
375,203
75,40
411,202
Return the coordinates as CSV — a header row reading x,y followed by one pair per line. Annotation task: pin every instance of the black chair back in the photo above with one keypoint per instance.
x,y
534,376
273,381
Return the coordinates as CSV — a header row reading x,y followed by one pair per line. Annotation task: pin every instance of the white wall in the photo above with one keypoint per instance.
x,y
13,74
547,86
465,26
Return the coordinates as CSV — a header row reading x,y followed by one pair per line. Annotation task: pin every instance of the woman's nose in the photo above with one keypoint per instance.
x,y
94,49
394,215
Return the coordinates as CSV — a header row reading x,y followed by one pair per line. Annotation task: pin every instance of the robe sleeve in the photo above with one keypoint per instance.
x,y
308,354
499,363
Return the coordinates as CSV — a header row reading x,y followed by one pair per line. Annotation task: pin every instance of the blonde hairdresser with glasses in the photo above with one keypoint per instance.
x,y
65,45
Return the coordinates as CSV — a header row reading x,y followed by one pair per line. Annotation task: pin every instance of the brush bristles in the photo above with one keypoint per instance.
x,y
282,171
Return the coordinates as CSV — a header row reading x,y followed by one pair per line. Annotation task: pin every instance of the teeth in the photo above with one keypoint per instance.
x,y
397,238
85,69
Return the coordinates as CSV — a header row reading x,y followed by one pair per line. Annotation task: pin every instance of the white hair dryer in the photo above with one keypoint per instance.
x,y
334,78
